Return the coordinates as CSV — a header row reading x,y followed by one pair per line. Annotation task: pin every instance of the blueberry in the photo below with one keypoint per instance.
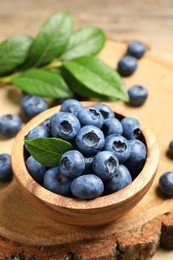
x,y
64,125
10,125
136,49
131,127
87,186
170,150
5,168
33,105
88,164
35,169
38,132
90,116
119,181
119,145
46,123
72,164
137,95
71,106
105,165
166,183
112,126
137,157
90,140
127,66
57,182
105,110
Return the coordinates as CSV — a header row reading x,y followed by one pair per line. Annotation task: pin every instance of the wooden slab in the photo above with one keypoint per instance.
x,y
26,232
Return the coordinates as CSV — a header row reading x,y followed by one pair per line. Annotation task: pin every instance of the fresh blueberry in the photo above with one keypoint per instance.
x,y
72,164
35,169
137,95
105,110
131,127
87,186
90,140
136,49
38,132
88,164
112,126
119,181
166,183
127,65
119,145
170,149
71,106
5,168
33,105
64,125
57,182
105,164
46,123
90,116
10,125
137,157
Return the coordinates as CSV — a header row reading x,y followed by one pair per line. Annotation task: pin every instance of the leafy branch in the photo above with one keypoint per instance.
x,y
59,62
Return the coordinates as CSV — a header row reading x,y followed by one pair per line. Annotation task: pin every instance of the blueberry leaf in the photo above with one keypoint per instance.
x,y
85,41
51,39
97,77
43,83
13,52
48,151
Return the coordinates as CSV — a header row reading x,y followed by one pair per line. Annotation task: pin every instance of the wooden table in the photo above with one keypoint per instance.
x,y
148,21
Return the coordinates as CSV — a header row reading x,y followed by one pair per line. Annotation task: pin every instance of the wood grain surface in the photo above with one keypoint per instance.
x,y
151,22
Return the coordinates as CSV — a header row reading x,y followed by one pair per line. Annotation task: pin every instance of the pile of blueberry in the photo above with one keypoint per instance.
x,y
108,151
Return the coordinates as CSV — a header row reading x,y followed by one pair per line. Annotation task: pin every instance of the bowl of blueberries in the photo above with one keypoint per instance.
x,y
85,163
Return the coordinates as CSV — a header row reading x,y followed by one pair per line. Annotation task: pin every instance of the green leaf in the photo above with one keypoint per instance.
x,y
42,83
13,52
48,151
83,42
97,77
51,39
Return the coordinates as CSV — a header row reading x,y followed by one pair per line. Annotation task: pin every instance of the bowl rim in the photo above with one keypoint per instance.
x,y
124,195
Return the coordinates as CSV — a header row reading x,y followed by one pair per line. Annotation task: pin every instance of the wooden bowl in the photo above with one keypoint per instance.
x,y
84,212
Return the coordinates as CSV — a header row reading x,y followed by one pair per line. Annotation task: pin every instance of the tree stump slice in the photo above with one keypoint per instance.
x,y
26,233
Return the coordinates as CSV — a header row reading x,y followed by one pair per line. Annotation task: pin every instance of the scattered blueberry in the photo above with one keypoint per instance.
x,y
90,116
136,49
57,182
35,169
131,127
137,95
166,183
119,145
137,157
10,125
105,164
90,140
72,164
87,186
64,125
105,111
119,181
6,173
170,150
71,106
112,126
38,132
33,105
127,66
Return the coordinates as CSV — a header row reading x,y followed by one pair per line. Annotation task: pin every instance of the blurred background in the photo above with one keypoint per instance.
x,y
150,21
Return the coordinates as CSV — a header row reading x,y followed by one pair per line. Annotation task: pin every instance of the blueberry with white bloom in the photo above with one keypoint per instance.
x,y
10,125
127,65
6,173
38,132
131,127
64,125
136,49
112,126
137,95
71,106
166,183
90,116
105,110
35,169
